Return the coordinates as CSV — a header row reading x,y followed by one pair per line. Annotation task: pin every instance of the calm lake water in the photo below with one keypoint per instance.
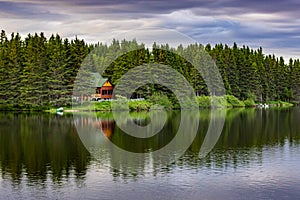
x,y
45,156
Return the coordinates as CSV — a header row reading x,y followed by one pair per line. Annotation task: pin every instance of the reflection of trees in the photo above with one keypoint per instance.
x,y
38,145
258,128
139,145
246,133
133,166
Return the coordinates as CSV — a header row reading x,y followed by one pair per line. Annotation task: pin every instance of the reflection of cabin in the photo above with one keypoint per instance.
x,y
107,127
104,88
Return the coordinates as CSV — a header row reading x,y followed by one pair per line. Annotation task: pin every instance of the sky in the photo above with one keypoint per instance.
x,y
272,24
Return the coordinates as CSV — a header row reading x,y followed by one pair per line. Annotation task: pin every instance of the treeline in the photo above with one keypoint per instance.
x,y
39,72
249,73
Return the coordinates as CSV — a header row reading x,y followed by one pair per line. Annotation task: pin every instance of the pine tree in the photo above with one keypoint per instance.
x,y
33,87
57,57
37,73
14,68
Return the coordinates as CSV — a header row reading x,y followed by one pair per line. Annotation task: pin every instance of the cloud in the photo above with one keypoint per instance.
x,y
274,25
26,11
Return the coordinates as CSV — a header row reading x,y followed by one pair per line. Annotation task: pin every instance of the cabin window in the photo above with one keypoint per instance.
x,y
104,92
109,92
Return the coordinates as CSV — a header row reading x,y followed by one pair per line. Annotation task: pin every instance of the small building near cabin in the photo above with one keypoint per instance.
x,y
103,88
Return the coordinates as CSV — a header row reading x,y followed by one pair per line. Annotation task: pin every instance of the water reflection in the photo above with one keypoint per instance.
x,y
41,146
246,134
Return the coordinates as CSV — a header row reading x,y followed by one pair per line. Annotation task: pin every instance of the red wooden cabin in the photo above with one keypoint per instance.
x,y
104,89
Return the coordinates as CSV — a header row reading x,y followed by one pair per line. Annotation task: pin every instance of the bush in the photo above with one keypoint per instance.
x,y
203,101
103,105
120,103
162,100
219,102
249,103
234,102
139,105
189,104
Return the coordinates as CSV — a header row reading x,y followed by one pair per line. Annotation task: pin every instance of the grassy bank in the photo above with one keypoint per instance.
x,y
280,103
89,106
227,101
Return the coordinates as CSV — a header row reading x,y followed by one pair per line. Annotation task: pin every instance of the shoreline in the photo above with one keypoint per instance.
x,y
53,111
204,102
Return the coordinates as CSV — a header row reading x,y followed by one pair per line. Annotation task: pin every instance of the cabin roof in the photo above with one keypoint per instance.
x,y
97,80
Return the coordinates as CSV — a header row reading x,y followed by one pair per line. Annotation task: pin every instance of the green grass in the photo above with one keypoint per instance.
x,y
107,106
227,101
280,103
162,102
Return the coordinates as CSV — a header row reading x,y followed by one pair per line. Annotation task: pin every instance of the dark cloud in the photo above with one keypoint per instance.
x,y
27,10
167,6
272,24
151,6
266,6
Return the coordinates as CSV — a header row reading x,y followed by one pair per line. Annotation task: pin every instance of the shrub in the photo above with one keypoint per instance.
x,y
161,99
121,103
103,105
139,105
203,101
234,102
219,101
249,103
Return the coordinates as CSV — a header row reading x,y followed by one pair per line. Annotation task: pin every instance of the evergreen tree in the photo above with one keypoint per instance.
x,y
38,73
14,68
33,85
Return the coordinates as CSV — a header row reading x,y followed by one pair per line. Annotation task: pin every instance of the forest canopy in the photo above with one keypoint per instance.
x,y
39,72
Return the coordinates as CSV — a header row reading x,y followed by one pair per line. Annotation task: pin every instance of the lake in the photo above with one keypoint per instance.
x,y
46,156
